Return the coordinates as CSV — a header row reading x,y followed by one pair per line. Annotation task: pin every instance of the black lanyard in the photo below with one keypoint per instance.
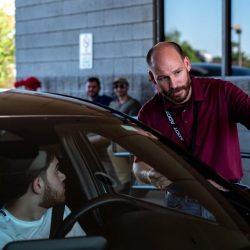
x,y
174,126
194,126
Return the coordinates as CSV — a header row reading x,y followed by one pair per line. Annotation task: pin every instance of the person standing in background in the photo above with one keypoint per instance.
x,y
93,87
30,83
123,102
130,106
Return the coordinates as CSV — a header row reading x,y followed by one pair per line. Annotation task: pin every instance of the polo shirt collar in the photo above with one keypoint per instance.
x,y
197,93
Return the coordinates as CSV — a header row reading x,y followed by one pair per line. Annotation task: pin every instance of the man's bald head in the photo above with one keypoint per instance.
x,y
162,46
169,71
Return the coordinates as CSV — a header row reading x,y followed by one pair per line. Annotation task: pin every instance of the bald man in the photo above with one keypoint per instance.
x,y
198,114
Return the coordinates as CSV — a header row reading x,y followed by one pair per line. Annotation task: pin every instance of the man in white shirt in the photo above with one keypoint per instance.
x,y
32,184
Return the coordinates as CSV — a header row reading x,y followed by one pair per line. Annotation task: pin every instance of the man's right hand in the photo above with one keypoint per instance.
x,y
157,179
147,174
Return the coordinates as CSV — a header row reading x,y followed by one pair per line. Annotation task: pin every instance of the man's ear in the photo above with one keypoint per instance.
x,y
37,185
151,77
187,63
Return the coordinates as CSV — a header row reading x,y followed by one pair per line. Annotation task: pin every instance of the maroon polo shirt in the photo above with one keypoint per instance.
x,y
221,106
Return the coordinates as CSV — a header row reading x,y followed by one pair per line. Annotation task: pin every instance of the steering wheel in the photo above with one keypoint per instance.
x,y
95,203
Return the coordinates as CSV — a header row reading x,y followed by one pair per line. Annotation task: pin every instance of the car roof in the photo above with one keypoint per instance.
x,y
37,103
214,69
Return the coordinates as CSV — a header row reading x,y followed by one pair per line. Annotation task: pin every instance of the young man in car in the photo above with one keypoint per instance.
x,y
31,184
198,114
92,88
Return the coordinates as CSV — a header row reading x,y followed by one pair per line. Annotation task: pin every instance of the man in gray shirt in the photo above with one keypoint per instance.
x,y
123,102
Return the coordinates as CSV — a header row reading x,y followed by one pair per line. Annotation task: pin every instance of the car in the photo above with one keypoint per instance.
x,y
214,69
95,143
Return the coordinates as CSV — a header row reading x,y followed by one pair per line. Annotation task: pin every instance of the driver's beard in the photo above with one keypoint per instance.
x,y
52,197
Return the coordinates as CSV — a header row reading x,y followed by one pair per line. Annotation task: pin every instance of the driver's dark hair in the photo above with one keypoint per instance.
x,y
176,46
51,152
15,178
94,79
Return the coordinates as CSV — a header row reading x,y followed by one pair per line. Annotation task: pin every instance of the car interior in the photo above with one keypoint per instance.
x,y
117,214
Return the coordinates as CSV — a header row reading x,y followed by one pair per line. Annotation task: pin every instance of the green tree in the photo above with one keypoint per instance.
x,y
235,55
187,48
7,48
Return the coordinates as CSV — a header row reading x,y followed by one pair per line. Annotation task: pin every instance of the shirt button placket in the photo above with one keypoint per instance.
x,y
184,118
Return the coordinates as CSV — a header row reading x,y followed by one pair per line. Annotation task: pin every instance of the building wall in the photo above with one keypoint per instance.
x,y
47,43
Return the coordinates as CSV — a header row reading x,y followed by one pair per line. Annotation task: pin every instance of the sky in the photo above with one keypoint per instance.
x,y
200,23
8,6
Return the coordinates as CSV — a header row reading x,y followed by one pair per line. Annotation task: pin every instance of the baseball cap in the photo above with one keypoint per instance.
x,y
32,83
120,80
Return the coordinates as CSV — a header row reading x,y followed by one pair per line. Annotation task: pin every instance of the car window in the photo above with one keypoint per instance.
x,y
94,167
11,137
117,152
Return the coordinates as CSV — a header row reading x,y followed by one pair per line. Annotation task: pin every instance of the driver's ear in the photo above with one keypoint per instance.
x,y
37,185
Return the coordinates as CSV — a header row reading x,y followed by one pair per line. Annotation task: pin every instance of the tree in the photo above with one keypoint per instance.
x,y
7,48
187,48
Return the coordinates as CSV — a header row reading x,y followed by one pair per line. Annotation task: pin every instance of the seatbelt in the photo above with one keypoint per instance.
x,y
56,219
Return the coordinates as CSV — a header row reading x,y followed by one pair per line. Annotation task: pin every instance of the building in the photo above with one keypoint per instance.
x,y
47,43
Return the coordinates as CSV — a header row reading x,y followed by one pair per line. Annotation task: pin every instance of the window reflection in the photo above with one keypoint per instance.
x,y
197,27
121,167
240,34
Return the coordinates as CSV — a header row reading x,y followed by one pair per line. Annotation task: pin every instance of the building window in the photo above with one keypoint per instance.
x,y
240,35
198,27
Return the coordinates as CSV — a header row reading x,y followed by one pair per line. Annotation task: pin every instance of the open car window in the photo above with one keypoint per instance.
x,y
115,152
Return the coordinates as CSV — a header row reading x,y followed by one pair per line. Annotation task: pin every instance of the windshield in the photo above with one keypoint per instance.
x,y
103,152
